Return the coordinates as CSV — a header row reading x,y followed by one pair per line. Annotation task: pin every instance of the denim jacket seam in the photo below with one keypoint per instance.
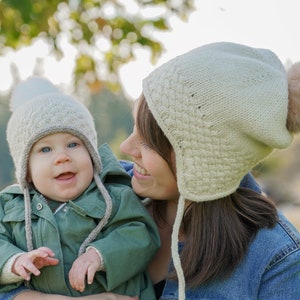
x,y
289,249
292,235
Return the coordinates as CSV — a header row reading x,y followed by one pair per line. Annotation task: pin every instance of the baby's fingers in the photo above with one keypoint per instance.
x,y
91,273
24,274
77,278
24,270
29,262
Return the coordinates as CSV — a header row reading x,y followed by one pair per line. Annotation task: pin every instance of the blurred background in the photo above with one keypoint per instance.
x,y
100,50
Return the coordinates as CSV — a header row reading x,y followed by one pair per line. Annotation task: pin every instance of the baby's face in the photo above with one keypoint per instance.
x,y
60,167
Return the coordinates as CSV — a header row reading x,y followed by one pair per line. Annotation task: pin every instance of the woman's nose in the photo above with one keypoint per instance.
x,y
130,147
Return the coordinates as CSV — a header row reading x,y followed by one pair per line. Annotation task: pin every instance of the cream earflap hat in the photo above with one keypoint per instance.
x,y
223,107
39,109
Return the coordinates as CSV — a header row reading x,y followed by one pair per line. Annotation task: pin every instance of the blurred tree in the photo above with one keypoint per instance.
x,y
6,164
104,32
113,118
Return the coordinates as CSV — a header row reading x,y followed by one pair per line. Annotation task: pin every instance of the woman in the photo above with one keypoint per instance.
x,y
205,119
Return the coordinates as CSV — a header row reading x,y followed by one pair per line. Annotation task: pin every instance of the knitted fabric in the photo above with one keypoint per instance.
x,y
40,109
43,114
223,107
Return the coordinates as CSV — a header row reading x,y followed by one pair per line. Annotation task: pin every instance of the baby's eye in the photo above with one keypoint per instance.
x,y
45,149
73,145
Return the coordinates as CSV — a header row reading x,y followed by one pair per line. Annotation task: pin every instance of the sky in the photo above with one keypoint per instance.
x,y
272,24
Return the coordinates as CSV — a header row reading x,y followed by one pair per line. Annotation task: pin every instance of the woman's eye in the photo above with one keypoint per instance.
x,y
45,149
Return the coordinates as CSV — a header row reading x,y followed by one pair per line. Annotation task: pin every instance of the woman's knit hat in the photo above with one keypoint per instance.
x,y
223,108
40,109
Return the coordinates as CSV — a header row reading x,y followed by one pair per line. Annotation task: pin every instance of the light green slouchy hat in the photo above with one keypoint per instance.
x,y
223,107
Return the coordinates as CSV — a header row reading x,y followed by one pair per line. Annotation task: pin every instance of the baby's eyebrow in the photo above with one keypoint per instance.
x,y
39,145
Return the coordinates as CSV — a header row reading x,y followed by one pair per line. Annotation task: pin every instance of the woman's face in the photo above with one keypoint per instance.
x,y
152,176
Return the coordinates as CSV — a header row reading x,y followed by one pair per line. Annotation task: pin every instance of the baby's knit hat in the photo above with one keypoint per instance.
x,y
40,109
223,107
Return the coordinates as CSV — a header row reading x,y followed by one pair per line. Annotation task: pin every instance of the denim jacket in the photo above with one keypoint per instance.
x,y
270,270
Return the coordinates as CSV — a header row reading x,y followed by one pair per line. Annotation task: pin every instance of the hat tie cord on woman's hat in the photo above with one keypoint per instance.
x,y
174,248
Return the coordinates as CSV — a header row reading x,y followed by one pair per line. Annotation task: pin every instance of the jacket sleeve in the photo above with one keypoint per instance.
x,y
9,215
128,241
282,281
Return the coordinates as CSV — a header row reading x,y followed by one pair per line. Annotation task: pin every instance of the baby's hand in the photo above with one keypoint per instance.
x,y
32,261
86,265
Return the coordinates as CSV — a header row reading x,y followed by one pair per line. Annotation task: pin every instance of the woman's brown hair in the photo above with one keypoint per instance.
x,y
217,232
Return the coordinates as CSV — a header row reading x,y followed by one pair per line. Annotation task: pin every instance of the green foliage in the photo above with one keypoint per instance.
x,y
88,24
22,21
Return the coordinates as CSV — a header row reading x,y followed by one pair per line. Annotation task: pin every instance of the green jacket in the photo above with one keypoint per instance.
x,y
127,243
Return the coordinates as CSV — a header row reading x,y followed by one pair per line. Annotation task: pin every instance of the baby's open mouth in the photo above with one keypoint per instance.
x,y
65,176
